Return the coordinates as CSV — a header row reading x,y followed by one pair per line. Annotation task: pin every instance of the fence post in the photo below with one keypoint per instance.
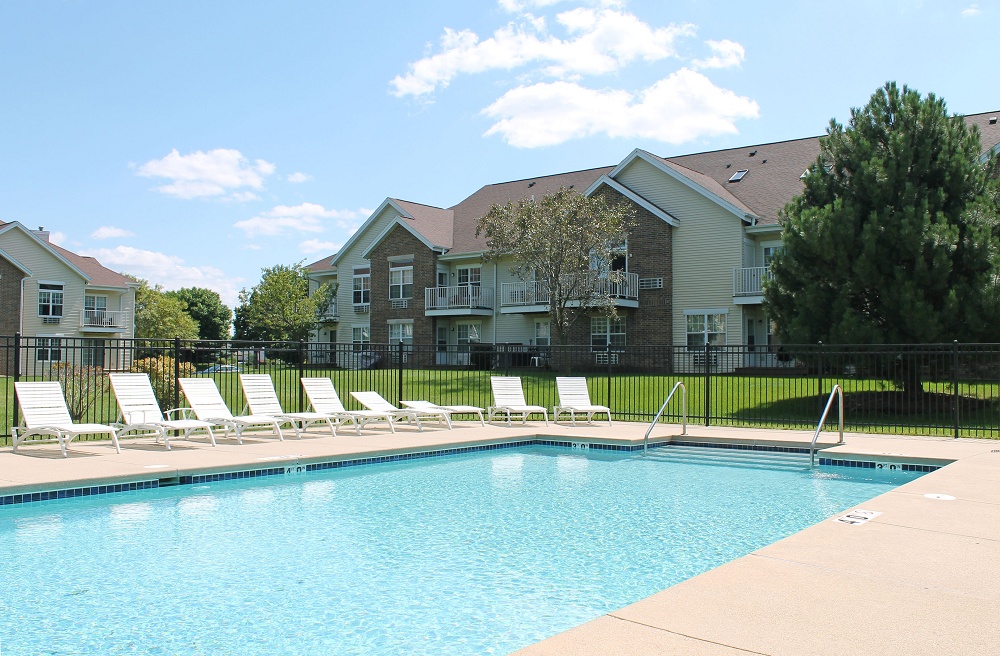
x,y
17,375
399,399
708,383
302,369
954,382
177,372
819,378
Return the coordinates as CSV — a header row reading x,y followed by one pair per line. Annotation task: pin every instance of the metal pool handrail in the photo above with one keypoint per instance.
x,y
839,394
684,413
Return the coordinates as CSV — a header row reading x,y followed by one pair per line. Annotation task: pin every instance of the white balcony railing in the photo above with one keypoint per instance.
x,y
329,315
458,297
749,281
110,319
534,293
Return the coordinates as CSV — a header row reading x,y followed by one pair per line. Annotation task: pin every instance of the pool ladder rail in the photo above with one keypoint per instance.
x,y
835,393
684,413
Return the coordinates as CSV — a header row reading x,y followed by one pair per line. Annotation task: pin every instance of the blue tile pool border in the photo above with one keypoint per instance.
x,y
194,479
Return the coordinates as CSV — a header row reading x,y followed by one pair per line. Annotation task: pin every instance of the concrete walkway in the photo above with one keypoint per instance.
x,y
921,578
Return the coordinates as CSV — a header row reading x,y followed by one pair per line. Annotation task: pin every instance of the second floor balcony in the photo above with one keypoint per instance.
x,y
329,315
104,321
458,300
532,296
748,284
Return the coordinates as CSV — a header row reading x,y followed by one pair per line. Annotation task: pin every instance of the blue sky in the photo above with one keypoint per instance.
x,y
193,143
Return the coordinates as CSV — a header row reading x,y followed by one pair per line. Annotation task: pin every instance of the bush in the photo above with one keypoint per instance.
x,y
82,386
161,375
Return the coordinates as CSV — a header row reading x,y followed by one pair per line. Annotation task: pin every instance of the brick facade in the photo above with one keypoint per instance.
x,y
397,243
10,309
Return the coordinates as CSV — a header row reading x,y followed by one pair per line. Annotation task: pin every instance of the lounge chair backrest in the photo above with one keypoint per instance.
x,y
322,396
42,404
374,401
259,392
573,391
204,398
421,405
136,399
507,390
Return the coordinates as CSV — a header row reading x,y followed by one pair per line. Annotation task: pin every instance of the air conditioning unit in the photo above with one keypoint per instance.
x,y
606,358
51,320
362,309
400,303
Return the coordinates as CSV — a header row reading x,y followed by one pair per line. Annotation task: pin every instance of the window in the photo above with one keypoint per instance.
x,y
362,288
769,253
401,283
706,328
360,337
50,300
48,349
470,276
401,332
468,333
606,333
93,352
543,333
95,310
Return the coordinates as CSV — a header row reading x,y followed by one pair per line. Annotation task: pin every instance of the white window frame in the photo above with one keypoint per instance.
x,y
401,331
709,326
48,348
606,334
400,278
470,276
361,336
361,284
54,296
543,333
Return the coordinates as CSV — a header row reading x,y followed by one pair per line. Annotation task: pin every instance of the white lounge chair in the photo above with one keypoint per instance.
x,y
427,406
45,414
508,399
323,398
374,401
208,405
140,411
263,400
574,398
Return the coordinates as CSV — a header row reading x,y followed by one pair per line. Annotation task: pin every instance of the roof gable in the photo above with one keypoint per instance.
x,y
46,246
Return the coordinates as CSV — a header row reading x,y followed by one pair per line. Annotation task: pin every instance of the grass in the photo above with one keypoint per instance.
x,y
793,402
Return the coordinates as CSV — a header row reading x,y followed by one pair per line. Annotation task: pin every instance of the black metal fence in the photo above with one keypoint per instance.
x,y
943,389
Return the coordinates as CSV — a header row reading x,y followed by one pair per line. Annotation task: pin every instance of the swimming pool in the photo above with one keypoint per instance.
x,y
473,554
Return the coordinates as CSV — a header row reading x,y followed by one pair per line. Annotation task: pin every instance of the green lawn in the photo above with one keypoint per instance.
x,y
793,402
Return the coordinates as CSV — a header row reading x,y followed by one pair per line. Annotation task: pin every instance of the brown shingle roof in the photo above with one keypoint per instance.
x,y
100,276
434,223
326,264
469,211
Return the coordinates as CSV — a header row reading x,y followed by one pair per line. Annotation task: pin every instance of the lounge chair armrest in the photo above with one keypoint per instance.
x,y
185,413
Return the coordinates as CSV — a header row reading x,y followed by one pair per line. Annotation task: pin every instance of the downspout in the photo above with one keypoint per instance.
x,y
496,302
20,317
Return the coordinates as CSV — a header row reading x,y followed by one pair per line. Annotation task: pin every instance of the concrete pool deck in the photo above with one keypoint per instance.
x,y
921,578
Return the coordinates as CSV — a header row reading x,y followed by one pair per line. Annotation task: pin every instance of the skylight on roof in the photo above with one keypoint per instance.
x,y
739,175
804,174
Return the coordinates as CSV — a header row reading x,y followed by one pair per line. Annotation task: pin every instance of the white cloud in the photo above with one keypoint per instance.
x,y
215,173
971,10
298,177
520,5
57,238
110,232
725,54
307,217
168,270
682,107
597,41
310,246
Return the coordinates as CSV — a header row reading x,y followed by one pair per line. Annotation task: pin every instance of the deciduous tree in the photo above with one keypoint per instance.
x,y
158,315
566,243
206,307
280,307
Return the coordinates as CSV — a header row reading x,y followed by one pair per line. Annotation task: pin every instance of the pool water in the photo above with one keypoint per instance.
x,y
476,554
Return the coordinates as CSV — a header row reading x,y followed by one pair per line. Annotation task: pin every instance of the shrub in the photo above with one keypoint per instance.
x,y
82,386
161,374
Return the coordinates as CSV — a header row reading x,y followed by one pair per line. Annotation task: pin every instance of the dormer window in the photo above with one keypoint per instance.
x,y
739,175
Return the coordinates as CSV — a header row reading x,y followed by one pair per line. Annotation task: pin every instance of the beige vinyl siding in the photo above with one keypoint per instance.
x,y
706,246
345,274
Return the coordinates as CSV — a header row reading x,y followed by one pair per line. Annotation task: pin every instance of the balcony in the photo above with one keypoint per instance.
x,y
748,284
329,315
103,321
460,300
526,297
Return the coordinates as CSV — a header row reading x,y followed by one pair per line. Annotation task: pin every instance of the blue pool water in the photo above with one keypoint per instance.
x,y
476,554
